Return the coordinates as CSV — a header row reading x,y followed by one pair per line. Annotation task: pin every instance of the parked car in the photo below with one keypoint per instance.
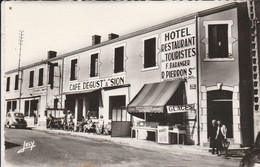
x,y
15,119
252,157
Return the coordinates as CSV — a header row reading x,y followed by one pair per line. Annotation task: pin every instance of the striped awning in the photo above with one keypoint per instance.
x,y
153,97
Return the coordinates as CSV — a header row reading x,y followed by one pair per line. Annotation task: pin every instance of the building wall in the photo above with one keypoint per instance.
x,y
225,74
43,94
134,73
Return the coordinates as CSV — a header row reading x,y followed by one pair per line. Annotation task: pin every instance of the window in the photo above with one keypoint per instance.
x,y
51,73
150,53
56,103
8,84
16,82
119,60
31,79
74,69
218,41
14,105
94,65
40,81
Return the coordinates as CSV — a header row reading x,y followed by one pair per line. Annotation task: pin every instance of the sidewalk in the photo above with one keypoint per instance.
x,y
193,150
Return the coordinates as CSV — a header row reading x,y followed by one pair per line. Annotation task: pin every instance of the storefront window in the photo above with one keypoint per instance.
x,y
26,108
14,105
9,106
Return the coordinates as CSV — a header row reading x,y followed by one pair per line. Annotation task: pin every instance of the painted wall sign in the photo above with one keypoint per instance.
x,y
178,53
96,83
163,134
179,108
39,91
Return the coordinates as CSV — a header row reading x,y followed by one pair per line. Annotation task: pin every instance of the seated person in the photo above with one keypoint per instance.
x,y
88,126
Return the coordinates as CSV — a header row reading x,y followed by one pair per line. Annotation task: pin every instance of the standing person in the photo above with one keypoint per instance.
x,y
51,121
212,136
221,136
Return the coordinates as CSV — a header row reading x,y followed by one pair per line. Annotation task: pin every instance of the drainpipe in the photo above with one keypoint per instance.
x,y
61,82
198,82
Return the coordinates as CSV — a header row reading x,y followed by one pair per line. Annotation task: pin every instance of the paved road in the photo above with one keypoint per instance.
x,y
55,150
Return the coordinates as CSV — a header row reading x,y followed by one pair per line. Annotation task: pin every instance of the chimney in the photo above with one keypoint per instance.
x,y
51,54
112,36
96,39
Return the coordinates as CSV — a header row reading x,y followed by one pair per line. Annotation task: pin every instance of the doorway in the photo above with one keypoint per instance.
x,y
219,106
80,109
121,120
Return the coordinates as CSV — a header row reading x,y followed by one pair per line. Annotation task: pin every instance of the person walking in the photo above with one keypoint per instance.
x,y
221,137
212,136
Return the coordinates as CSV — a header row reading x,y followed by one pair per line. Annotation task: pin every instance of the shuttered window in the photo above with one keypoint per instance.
x,y
150,53
218,41
119,60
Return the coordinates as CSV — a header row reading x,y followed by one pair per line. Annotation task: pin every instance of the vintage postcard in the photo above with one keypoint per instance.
x,y
130,83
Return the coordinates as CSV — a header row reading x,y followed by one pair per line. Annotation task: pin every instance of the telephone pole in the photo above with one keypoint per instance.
x,y
20,72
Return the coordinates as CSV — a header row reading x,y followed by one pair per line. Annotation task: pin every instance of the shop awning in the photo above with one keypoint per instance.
x,y
153,97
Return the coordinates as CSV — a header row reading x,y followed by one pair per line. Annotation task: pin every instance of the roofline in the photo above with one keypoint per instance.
x,y
139,32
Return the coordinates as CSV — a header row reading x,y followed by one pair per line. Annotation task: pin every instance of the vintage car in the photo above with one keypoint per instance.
x,y
252,157
15,119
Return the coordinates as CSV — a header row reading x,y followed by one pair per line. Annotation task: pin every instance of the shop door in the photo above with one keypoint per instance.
x,y
119,117
219,106
34,110
121,122
80,109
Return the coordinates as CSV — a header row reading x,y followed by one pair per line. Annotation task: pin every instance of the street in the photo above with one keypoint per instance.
x,y
59,150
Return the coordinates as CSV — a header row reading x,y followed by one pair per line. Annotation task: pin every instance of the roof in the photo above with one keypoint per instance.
x,y
140,32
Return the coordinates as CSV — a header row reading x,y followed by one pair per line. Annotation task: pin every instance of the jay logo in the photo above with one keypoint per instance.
x,y
27,145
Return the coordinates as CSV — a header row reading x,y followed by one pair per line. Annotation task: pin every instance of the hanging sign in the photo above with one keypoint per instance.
x,y
179,108
178,53
163,134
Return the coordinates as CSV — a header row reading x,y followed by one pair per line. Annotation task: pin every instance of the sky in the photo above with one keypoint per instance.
x,y
64,26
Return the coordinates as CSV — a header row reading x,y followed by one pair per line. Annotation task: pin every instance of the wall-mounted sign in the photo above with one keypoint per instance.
x,y
146,109
179,108
193,86
178,53
163,134
96,83
39,91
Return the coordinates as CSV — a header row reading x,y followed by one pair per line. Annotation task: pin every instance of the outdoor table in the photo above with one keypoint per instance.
x,y
178,132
